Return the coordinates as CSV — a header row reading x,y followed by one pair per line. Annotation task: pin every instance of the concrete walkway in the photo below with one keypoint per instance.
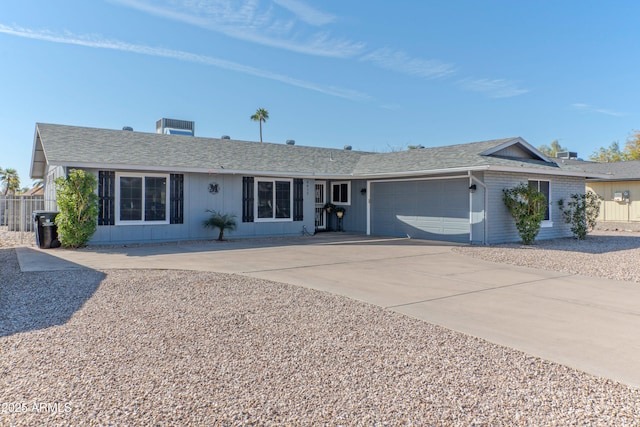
x,y
586,323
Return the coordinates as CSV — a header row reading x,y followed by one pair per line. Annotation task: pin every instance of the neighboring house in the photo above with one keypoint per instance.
x,y
35,191
619,186
157,187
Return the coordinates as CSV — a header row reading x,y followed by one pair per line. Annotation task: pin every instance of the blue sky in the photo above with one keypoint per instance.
x,y
374,75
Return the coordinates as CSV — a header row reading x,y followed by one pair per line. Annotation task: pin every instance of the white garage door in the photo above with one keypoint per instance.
x,y
431,209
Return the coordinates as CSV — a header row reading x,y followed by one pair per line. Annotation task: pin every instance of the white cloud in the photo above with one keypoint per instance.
x,y
249,21
401,62
96,41
592,109
306,13
292,25
493,88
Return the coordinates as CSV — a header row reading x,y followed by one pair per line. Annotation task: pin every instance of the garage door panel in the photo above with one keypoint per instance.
x,y
436,210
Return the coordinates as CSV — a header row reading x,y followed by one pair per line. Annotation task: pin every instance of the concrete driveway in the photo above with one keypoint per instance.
x,y
586,323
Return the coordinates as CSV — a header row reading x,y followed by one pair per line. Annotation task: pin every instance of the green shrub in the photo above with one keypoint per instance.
x,y
581,212
220,221
527,206
78,206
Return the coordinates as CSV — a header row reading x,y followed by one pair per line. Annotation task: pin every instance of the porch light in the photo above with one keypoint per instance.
x,y
472,188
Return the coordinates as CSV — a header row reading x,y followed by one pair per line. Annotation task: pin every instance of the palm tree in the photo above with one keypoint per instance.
x,y
220,221
9,177
261,115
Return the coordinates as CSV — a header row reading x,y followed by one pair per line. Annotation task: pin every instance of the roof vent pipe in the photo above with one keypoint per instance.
x,y
347,147
290,142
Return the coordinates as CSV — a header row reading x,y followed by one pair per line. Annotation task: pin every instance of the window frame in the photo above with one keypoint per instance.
x,y
167,197
341,183
545,222
256,199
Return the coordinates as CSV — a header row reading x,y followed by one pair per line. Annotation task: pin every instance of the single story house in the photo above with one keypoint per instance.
x,y
157,187
618,183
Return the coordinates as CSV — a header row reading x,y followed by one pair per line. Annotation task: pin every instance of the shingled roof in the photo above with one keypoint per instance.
x,y
121,149
482,155
619,171
84,147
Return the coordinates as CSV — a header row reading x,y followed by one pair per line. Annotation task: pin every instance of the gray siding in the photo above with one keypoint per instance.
x,y
53,173
355,215
515,151
197,200
501,227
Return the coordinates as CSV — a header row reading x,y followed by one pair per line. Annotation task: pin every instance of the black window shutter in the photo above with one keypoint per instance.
x,y
298,200
247,199
176,194
106,197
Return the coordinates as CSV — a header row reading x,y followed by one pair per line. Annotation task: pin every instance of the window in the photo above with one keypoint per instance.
x,y
341,193
273,200
142,198
282,198
544,187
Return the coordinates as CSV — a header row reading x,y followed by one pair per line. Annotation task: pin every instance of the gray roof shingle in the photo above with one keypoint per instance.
x,y
447,157
624,171
71,145
126,150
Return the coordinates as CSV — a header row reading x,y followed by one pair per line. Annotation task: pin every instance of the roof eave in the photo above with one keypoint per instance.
x,y
610,178
210,171
558,172
316,175
419,172
495,168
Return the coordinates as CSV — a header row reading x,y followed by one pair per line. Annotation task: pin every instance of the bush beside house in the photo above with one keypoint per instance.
x,y
78,206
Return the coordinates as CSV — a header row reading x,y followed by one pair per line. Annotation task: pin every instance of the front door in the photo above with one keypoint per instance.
x,y
321,196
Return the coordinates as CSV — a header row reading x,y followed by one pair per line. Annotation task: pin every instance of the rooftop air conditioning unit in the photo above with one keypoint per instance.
x,y
175,127
566,155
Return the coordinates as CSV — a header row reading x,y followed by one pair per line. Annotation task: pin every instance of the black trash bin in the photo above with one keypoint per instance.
x,y
46,230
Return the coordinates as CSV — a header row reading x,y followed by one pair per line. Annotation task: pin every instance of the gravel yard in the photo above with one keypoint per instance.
x,y
611,254
131,347
10,239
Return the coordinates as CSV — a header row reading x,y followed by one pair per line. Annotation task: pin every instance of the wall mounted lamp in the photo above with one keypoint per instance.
x,y
363,191
472,188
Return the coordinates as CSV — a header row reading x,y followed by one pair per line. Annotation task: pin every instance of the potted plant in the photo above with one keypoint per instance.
x,y
339,210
